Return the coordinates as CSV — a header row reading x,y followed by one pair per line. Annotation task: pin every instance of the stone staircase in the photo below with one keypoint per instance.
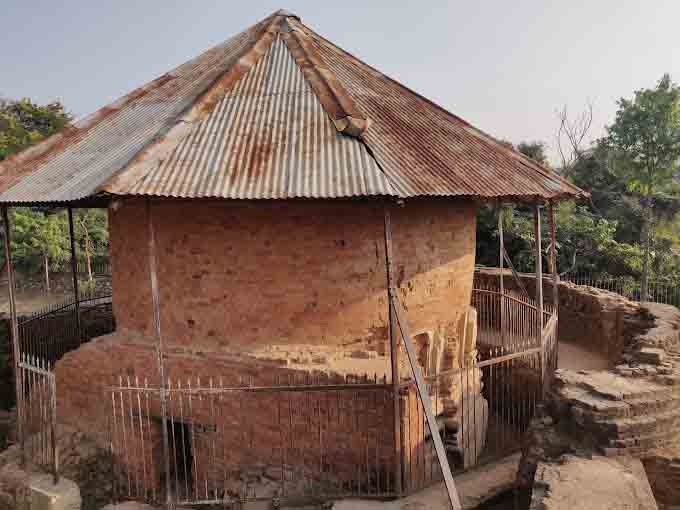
x,y
630,414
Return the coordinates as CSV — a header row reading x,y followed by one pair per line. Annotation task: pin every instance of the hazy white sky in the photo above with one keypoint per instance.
x,y
504,66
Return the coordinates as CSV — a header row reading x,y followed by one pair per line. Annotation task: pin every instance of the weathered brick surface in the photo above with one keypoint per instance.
x,y
316,434
259,294
296,272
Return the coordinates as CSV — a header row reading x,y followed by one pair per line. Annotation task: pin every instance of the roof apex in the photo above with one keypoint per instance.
x,y
286,13
409,146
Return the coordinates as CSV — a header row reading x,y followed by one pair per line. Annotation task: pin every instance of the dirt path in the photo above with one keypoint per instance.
x,y
575,357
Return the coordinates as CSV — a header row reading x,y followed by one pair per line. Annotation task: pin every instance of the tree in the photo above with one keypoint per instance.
x,y
39,240
535,151
92,236
513,216
572,135
644,148
24,123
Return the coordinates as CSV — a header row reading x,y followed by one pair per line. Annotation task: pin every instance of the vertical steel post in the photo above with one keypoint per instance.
x,y
394,354
553,255
53,423
155,298
555,275
74,271
14,333
501,249
539,288
539,267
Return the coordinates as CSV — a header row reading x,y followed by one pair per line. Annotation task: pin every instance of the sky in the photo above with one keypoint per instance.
x,y
506,67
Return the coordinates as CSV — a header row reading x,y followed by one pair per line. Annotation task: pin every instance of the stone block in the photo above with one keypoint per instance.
x,y
651,355
597,483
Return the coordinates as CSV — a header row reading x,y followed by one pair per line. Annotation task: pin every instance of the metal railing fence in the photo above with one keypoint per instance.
x,y
300,437
37,408
56,329
659,291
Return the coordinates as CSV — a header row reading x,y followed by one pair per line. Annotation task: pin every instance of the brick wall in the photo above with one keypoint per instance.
x,y
244,290
319,437
239,275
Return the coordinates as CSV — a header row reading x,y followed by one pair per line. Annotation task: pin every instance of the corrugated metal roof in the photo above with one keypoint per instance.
x,y
275,112
72,165
269,137
426,150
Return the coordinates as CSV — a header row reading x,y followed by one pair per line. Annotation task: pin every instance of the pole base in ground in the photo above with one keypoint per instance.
x,y
45,495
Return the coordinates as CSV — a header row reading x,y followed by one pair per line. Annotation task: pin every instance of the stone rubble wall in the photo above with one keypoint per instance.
x,y
630,411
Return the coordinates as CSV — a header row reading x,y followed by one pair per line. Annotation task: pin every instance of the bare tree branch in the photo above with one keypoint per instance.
x,y
572,134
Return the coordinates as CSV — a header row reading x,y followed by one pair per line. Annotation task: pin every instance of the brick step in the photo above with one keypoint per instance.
x,y
659,404
666,423
599,408
644,445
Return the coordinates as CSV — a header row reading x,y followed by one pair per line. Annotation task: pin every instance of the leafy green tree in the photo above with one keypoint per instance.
x,y
39,240
92,235
644,148
24,123
535,151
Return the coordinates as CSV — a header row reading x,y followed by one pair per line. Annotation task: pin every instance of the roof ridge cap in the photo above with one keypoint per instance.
x,y
334,98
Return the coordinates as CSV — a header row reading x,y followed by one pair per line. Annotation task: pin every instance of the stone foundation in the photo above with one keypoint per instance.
x,y
629,412
597,483
263,434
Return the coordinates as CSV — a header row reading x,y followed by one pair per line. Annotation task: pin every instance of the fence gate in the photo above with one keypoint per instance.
x,y
37,410
297,437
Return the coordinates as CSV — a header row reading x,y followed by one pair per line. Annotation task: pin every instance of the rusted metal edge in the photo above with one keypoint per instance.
x,y
335,100
573,192
167,140
27,161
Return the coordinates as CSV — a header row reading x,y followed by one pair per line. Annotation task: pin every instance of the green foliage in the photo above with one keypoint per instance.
x,y
24,123
644,140
535,151
631,224
35,236
92,232
643,145
589,237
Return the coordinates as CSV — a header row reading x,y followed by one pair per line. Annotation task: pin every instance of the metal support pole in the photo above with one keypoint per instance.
x,y
74,271
539,289
553,255
155,297
539,267
426,402
555,274
14,333
394,355
53,423
500,266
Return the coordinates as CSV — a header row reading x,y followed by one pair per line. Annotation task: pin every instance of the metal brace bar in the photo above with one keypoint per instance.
x,y
515,274
427,404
